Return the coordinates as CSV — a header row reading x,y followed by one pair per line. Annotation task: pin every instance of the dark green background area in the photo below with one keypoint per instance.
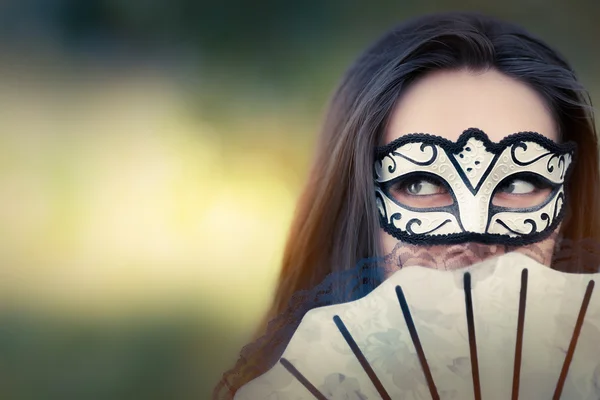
x,y
282,48
159,357
237,58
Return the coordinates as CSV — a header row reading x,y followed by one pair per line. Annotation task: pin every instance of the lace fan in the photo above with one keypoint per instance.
x,y
504,328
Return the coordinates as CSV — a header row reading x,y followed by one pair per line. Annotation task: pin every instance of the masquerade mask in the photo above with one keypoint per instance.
x,y
472,174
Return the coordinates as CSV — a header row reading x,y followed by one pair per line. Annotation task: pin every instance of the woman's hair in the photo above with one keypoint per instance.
x,y
336,221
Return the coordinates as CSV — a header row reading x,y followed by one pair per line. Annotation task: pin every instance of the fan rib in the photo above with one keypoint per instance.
x,y
361,358
417,343
574,338
472,340
520,329
305,382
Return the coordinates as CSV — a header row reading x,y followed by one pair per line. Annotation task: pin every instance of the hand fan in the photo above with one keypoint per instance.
x,y
508,327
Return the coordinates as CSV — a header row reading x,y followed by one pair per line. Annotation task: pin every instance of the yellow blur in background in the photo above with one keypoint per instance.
x,y
112,199
124,214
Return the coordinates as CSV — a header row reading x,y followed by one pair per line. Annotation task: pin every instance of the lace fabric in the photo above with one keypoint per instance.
x,y
256,358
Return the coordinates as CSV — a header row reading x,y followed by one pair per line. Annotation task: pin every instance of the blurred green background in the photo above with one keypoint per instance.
x,y
151,153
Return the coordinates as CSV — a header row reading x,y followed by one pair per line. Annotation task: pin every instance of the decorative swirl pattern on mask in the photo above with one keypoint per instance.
x,y
555,160
429,158
422,147
380,206
395,217
558,204
560,164
524,163
416,221
546,217
527,221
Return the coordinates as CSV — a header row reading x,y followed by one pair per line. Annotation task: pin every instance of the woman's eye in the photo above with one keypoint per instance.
x,y
421,192
424,188
518,186
522,192
419,187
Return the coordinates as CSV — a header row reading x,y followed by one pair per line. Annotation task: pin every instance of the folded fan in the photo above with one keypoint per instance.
x,y
508,327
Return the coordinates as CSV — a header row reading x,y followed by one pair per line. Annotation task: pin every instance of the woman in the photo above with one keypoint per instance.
x,y
466,80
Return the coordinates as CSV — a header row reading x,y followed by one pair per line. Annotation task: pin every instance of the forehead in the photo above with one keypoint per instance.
x,y
445,103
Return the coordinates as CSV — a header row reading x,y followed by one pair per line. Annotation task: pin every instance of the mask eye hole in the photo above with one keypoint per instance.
x,y
522,191
420,191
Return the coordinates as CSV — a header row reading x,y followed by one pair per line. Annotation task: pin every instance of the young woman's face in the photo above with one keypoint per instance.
x,y
445,103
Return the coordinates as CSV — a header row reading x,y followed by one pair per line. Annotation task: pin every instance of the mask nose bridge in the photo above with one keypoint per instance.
x,y
473,212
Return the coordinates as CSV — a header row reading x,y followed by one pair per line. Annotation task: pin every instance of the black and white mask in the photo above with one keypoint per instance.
x,y
473,172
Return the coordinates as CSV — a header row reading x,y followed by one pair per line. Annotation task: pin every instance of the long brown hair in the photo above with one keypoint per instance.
x,y
335,224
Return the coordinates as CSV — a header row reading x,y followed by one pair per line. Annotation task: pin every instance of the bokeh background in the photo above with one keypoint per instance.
x,y
151,153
